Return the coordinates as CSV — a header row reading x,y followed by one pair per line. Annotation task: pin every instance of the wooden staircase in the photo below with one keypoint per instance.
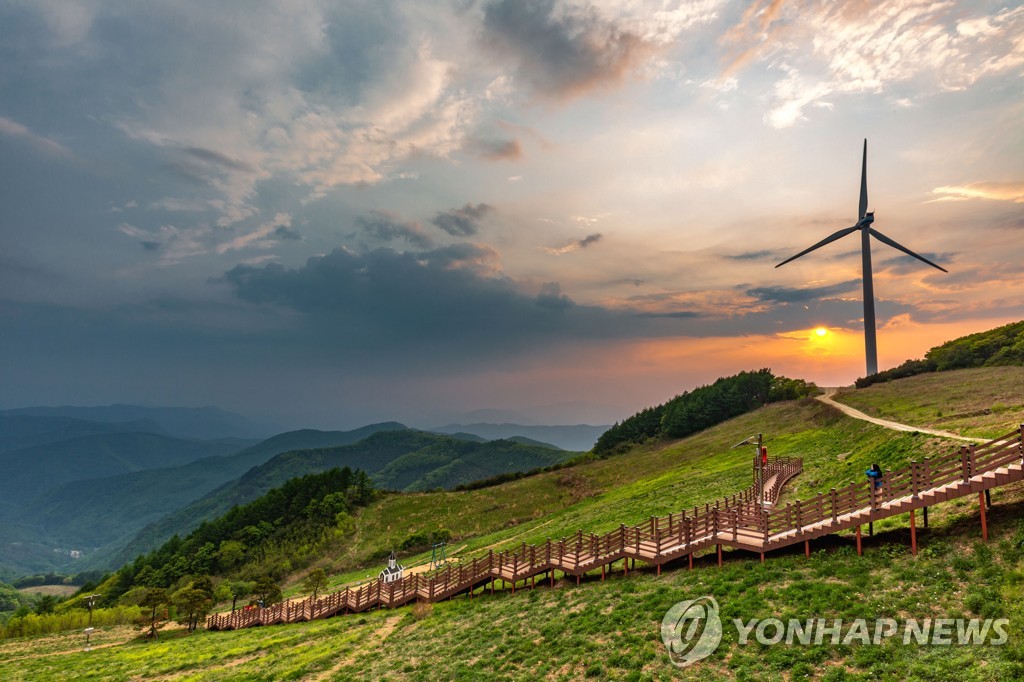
x,y
738,521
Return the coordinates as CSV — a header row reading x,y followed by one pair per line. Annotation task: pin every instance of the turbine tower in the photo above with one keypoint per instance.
x,y
866,231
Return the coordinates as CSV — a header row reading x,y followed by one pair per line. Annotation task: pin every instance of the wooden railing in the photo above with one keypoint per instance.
x,y
737,520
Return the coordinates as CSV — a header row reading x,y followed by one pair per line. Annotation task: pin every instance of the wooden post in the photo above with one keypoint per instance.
x,y
602,572
871,528
926,517
719,555
577,579
659,569
762,557
913,534
984,522
988,499
691,561
860,549
807,548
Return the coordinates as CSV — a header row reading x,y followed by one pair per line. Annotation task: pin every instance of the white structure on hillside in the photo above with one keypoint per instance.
x,y
393,572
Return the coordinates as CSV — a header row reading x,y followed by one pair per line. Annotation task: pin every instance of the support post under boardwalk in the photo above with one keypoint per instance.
x,y
577,579
984,521
926,517
807,548
691,561
871,528
719,555
913,534
762,557
659,569
860,549
602,572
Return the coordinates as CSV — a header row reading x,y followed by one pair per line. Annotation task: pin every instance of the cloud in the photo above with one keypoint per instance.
x,y
995,191
43,145
575,245
462,222
824,50
560,51
286,234
752,255
793,295
496,150
454,294
386,227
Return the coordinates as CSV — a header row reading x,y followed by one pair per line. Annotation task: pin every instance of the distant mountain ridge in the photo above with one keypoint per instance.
x,y
18,431
404,459
110,511
183,422
32,471
577,437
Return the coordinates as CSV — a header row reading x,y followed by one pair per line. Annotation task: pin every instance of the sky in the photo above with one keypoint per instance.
x,y
328,213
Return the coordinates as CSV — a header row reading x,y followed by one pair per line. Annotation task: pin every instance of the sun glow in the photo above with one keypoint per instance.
x,y
821,331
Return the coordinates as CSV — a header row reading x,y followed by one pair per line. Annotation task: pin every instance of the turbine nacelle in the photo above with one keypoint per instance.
x,y
867,219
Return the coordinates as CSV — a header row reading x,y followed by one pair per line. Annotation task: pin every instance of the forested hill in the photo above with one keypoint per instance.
x,y
703,407
400,460
995,347
267,537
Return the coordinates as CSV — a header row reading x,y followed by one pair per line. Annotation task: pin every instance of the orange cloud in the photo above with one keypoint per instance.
x,y
997,191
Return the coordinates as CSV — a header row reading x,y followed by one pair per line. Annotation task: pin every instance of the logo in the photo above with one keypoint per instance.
x,y
691,630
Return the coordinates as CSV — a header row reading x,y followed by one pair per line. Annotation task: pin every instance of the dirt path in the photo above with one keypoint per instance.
x,y
895,426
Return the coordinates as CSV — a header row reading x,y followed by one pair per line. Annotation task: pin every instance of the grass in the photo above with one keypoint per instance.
x,y
610,629
651,480
984,402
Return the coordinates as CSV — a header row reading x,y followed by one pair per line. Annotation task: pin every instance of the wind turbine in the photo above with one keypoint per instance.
x,y
864,225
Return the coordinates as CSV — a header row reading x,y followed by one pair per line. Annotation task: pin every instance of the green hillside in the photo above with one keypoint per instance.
x,y
105,510
112,511
416,459
610,629
999,347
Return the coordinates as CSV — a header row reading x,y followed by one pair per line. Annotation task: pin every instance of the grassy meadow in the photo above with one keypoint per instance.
x,y
985,402
610,629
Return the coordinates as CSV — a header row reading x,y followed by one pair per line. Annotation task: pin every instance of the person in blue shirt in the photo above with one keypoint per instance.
x,y
875,474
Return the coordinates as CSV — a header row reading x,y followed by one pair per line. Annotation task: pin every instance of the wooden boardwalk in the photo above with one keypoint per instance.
x,y
736,521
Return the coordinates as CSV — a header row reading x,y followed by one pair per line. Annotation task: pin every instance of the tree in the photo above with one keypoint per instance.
x,y
266,591
46,603
153,599
315,581
239,588
192,604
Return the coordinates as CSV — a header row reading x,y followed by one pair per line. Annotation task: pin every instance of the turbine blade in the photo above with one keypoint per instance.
x,y
896,245
864,183
827,240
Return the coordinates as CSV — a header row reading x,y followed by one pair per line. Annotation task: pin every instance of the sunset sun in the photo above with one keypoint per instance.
x,y
821,331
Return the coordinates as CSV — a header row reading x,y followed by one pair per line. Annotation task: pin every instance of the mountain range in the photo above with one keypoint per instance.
x,y
87,488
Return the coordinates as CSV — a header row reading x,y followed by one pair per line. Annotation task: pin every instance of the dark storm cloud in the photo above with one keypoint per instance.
x,y
385,227
451,295
793,295
462,222
561,52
